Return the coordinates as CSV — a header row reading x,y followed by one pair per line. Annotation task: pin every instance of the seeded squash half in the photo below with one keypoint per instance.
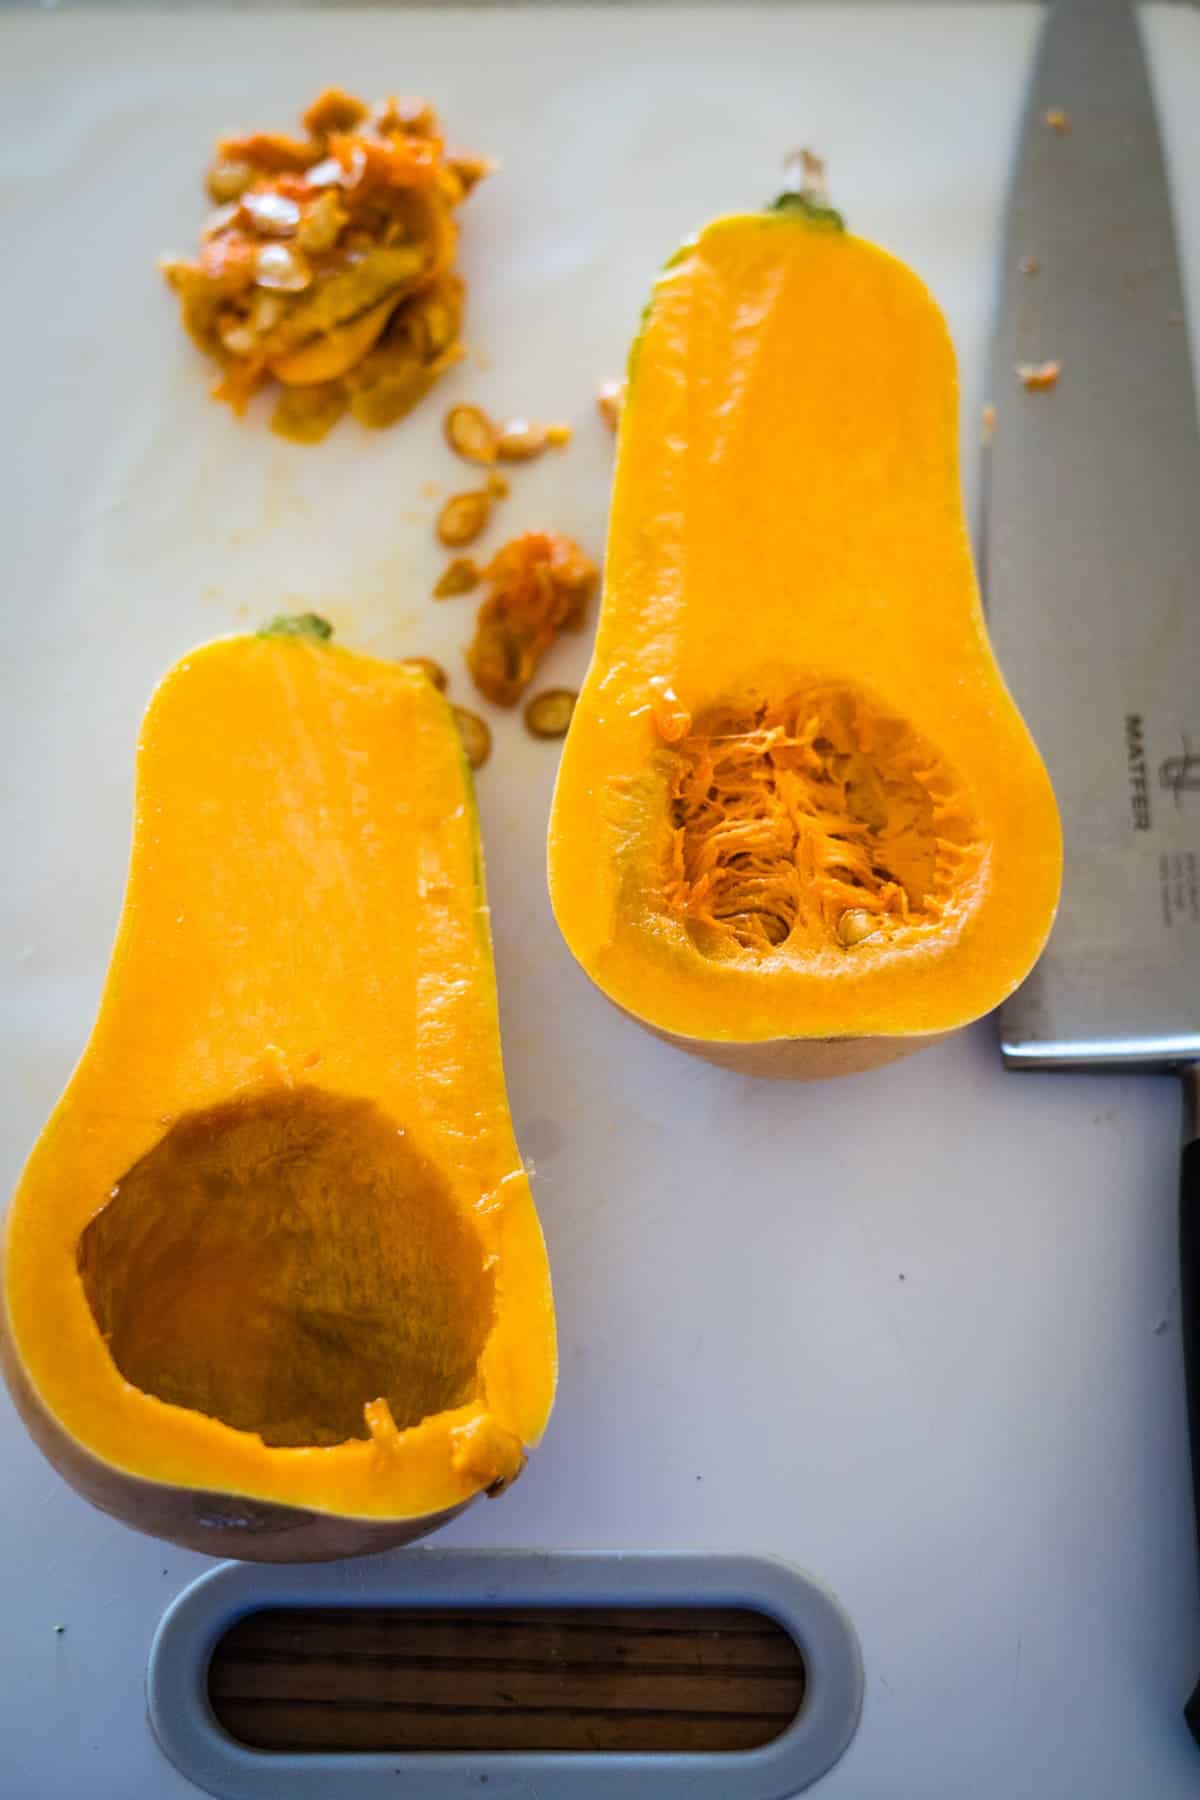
x,y
274,1286
799,827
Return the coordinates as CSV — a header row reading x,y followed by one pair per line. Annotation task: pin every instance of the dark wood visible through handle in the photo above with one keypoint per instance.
x,y
584,1679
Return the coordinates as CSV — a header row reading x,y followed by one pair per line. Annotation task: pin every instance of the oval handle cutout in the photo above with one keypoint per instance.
x,y
605,1679
308,1680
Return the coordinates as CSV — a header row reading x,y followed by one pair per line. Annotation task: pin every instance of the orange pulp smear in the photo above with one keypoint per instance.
x,y
541,583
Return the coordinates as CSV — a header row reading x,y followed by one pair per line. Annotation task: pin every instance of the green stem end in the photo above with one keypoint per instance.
x,y
310,626
814,211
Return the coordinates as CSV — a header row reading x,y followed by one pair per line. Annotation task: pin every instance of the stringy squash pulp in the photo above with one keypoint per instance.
x,y
800,826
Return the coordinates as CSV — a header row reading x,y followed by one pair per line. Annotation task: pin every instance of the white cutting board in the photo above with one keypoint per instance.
x,y
916,1331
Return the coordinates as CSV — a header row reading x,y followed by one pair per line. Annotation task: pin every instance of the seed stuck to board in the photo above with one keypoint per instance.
x,y
548,714
463,517
471,434
520,441
475,437
1038,378
609,400
459,576
433,670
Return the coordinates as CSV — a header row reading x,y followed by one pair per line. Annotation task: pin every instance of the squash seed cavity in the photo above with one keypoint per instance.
x,y
284,1261
814,822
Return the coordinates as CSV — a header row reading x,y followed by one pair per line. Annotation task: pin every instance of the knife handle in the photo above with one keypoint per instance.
x,y
1189,1301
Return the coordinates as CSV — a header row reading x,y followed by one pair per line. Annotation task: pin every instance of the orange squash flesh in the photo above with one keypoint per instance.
x,y
274,1285
799,826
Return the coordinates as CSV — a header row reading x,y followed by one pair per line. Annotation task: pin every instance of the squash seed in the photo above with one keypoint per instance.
x,y
855,926
609,400
229,180
470,434
322,224
476,735
548,714
237,337
1037,378
433,670
459,576
219,221
272,215
463,517
520,441
282,269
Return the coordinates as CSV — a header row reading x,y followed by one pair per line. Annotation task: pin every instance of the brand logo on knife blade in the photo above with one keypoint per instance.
x,y
1139,781
1181,774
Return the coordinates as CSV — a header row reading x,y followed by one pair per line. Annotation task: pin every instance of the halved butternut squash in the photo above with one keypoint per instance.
x,y
274,1285
799,827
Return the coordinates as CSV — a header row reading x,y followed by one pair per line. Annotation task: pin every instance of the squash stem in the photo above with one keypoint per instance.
x,y
805,192
297,625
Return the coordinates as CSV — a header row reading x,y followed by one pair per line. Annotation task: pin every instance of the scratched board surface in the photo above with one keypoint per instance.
x,y
915,1331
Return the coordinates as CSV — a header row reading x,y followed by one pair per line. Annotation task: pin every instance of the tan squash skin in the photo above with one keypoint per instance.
x,y
274,1286
225,1525
800,1059
799,828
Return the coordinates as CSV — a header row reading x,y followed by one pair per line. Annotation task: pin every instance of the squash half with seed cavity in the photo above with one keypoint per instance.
x,y
274,1286
799,826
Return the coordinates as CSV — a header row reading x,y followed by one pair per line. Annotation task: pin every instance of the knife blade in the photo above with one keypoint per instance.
x,y
1092,574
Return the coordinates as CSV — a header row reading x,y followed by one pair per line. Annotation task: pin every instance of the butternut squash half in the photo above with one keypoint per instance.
x,y
799,827
274,1286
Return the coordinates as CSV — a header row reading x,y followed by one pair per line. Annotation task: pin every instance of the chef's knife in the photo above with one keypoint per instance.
x,y
1092,562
